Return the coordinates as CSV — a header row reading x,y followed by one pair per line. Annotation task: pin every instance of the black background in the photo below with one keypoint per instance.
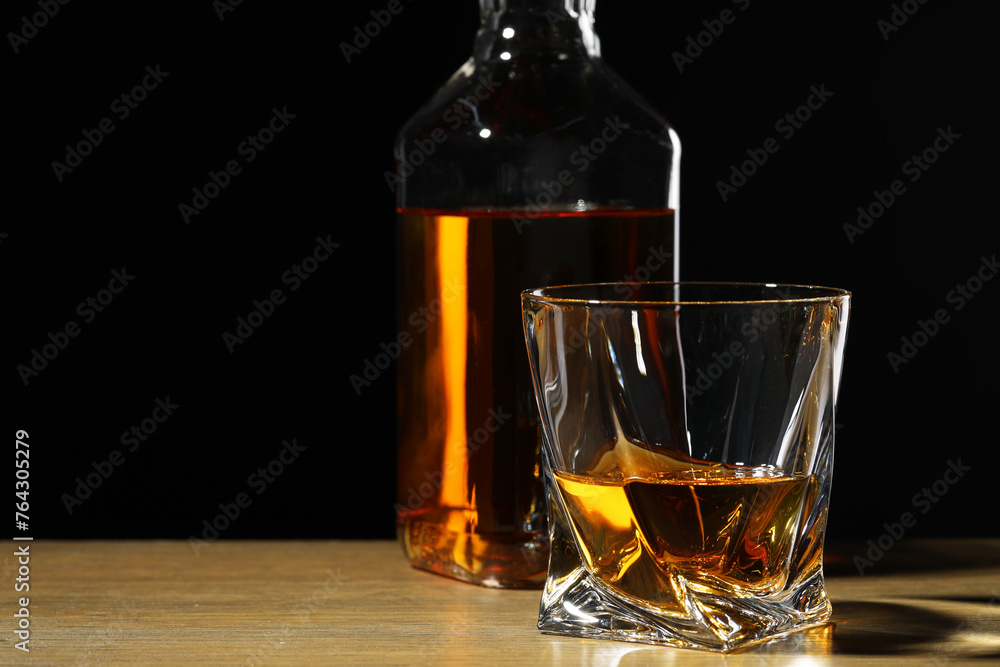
x,y
323,176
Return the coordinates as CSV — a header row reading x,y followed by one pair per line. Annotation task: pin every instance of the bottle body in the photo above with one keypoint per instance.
x,y
534,165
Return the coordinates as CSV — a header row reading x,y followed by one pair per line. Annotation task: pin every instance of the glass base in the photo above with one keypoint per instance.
x,y
494,560
579,604
583,608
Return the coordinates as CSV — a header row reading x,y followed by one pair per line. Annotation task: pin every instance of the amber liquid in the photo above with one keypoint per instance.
x,y
722,531
471,502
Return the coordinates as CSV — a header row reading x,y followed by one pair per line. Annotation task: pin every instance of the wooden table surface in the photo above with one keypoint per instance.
x,y
352,602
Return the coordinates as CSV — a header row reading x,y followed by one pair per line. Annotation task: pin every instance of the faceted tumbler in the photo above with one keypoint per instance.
x,y
688,434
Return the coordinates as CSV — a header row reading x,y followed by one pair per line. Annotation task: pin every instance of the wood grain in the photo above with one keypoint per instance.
x,y
350,602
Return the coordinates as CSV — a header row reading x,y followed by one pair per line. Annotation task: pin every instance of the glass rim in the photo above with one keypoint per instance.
x,y
550,294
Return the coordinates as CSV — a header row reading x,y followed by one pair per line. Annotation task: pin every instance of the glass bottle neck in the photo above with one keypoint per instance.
x,y
512,28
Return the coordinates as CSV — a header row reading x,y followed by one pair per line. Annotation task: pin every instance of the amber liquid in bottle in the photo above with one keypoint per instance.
x,y
471,498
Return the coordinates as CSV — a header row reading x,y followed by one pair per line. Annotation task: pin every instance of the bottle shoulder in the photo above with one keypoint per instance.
x,y
532,98
498,134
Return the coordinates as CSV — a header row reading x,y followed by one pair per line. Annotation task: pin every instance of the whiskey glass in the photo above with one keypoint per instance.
x,y
687,451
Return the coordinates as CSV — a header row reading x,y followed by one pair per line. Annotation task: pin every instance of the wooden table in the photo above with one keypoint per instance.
x,y
340,602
